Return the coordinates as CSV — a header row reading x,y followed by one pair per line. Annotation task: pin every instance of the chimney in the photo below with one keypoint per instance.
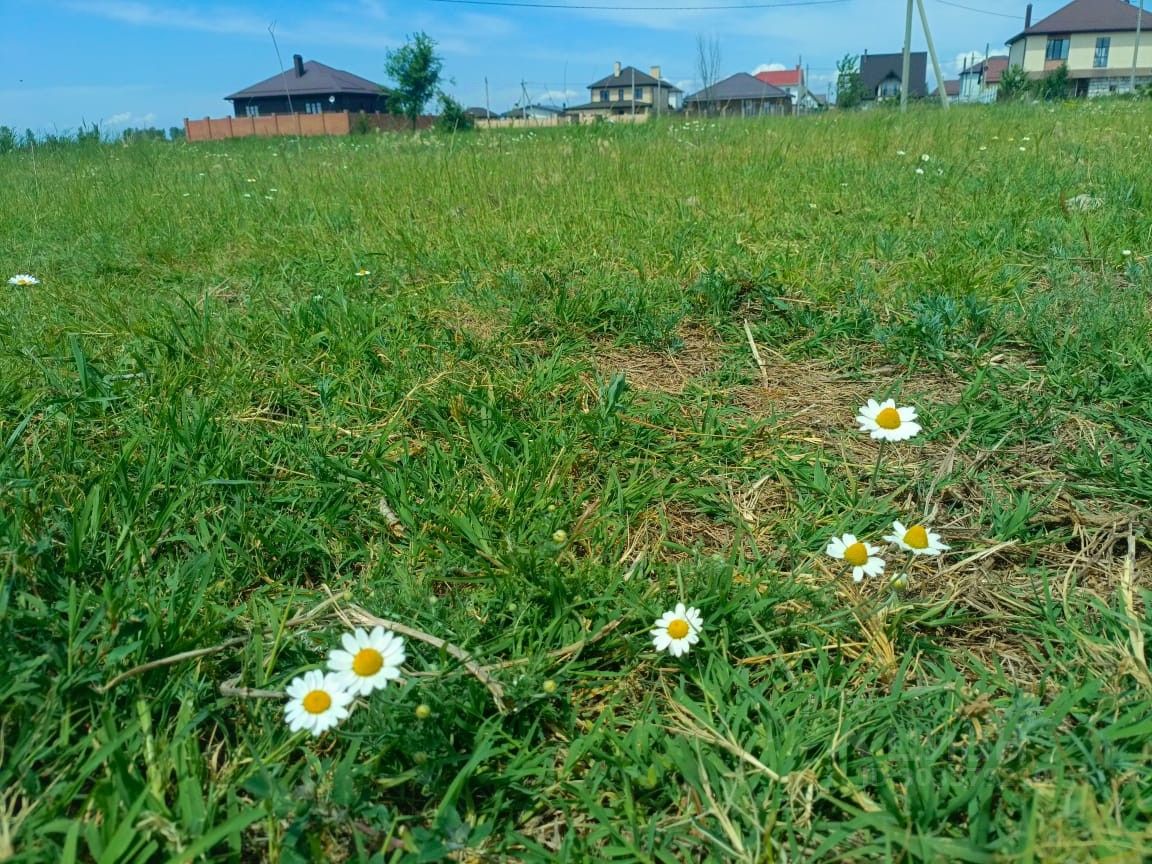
x,y
616,69
655,72
298,64
1028,17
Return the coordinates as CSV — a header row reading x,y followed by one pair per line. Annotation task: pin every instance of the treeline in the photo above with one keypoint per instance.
x,y
11,140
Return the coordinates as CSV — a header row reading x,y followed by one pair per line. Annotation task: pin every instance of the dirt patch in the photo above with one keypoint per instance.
x,y
664,371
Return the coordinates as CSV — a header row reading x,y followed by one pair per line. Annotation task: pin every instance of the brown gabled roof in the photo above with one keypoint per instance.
x,y
631,76
317,78
1084,16
951,88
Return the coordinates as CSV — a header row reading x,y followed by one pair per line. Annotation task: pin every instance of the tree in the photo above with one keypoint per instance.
x,y
452,116
416,70
707,61
1055,85
849,84
1014,84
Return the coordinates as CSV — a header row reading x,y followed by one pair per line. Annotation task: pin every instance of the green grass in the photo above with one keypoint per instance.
x,y
203,409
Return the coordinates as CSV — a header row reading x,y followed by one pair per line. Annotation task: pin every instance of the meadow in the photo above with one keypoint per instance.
x,y
523,392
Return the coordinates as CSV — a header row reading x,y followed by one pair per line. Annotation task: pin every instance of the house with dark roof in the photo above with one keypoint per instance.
x,y
881,76
740,95
951,90
628,91
481,114
794,83
1095,38
980,81
309,88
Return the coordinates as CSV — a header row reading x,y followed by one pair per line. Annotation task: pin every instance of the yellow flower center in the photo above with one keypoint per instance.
x,y
317,702
889,418
678,629
856,555
367,662
916,537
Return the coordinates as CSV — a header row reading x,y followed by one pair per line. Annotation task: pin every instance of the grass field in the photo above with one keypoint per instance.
x,y
536,424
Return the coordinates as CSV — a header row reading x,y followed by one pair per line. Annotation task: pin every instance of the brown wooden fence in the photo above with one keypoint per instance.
x,y
330,123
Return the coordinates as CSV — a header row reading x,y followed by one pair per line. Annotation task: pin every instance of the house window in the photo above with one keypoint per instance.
x,y
1100,60
313,107
604,95
251,110
638,94
1057,48
889,89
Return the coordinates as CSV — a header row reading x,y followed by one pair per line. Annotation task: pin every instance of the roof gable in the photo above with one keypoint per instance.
x,y
875,68
1084,16
317,78
739,86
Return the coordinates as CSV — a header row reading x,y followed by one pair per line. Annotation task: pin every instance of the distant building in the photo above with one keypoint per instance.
x,y
951,90
741,95
532,112
309,88
481,114
980,82
1096,38
881,76
629,91
794,83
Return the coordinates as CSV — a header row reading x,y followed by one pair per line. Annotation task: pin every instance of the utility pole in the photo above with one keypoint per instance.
x,y
932,53
487,105
907,69
1136,47
633,93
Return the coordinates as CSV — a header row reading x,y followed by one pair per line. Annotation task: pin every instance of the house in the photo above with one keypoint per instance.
x,y
481,114
980,82
951,90
532,112
741,95
1096,38
628,91
880,74
794,83
309,88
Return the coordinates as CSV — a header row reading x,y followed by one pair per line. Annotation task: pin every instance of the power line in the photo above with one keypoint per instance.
x,y
981,11
521,4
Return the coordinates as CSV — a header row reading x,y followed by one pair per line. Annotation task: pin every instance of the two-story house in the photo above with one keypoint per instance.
x,y
980,81
1096,38
629,91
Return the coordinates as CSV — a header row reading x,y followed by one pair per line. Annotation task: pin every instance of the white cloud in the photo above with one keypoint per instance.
x,y
128,119
769,67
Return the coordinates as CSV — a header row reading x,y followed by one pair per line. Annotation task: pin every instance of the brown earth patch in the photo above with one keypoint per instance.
x,y
664,371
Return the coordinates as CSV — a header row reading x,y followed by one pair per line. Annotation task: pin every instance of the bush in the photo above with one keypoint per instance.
x,y
1014,84
452,116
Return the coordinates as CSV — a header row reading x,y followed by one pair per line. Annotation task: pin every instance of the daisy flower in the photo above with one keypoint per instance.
x,y
678,630
316,703
369,660
862,556
23,279
917,539
886,422
363,272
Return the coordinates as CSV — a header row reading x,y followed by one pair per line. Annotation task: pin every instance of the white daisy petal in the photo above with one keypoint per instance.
x,y
676,631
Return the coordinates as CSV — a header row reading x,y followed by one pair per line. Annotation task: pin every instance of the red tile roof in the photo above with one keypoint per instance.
x,y
782,77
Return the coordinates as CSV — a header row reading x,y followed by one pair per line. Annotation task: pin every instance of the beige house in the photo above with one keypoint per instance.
x,y
1096,38
628,91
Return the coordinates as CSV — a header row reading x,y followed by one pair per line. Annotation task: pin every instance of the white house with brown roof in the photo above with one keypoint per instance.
x,y
980,81
1096,38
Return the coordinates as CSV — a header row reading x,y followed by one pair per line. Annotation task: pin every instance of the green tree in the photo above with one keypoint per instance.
x,y
1055,85
415,68
452,117
849,84
1014,84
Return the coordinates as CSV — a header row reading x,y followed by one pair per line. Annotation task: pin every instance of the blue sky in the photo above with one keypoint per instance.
x,y
155,62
